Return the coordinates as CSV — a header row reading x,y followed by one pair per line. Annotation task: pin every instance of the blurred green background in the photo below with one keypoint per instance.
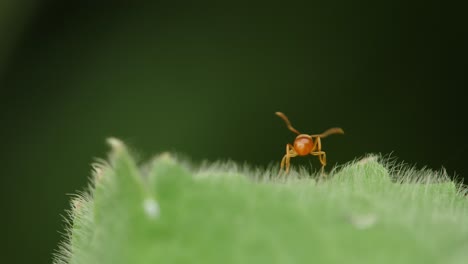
x,y
204,79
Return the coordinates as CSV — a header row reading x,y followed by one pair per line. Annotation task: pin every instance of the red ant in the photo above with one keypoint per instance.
x,y
306,144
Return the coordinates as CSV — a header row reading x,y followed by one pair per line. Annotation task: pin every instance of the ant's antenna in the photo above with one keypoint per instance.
x,y
283,116
334,130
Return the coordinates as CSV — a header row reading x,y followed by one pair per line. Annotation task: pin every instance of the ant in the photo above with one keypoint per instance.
x,y
306,144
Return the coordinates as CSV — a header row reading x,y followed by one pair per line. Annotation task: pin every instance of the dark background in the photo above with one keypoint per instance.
x,y
204,79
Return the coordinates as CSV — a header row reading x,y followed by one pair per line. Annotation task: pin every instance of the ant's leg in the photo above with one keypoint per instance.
x,y
321,155
290,152
319,144
289,149
314,147
323,161
288,160
282,162
284,157
322,158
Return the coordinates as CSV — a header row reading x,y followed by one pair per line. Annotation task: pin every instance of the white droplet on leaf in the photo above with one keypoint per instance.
x,y
151,208
363,221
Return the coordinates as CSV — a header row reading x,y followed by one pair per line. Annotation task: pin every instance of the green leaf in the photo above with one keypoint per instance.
x,y
363,212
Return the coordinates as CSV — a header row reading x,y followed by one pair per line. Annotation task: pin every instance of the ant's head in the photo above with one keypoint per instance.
x,y
303,144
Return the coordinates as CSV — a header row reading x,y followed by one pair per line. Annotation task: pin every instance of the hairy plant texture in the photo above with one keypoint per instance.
x,y
363,212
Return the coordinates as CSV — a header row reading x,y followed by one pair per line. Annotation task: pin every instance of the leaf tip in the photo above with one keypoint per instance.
x,y
115,144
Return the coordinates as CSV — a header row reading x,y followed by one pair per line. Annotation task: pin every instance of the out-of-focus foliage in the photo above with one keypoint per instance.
x,y
14,15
